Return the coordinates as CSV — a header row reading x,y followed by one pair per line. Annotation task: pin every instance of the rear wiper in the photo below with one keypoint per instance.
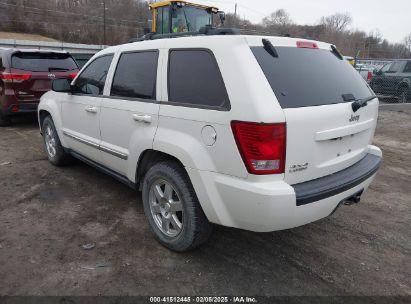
x,y
57,69
358,103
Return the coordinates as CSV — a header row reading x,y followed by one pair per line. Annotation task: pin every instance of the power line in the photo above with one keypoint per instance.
x,y
68,23
65,13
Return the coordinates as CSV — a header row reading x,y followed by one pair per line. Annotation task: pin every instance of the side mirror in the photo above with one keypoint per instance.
x,y
61,85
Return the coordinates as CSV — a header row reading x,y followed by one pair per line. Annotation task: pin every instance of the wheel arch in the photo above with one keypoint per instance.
x,y
147,159
50,107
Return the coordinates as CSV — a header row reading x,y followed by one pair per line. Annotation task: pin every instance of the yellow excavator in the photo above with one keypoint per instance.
x,y
176,18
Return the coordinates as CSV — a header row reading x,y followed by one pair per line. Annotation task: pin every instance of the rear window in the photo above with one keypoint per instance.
x,y
302,77
43,62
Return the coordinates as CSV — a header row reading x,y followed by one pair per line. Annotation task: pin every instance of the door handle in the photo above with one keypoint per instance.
x,y
142,118
91,109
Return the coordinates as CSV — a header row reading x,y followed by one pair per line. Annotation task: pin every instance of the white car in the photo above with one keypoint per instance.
x,y
256,133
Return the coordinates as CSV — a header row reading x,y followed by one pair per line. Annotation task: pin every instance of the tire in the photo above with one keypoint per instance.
x,y
162,210
4,120
54,150
403,95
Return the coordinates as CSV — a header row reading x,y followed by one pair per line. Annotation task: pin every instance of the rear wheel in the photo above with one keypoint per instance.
x,y
172,208
55,151
403,94
4,120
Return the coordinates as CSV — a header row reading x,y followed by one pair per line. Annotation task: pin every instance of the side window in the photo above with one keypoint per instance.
x,y
136,75
91,81
395,67
386,67
162,20
407,68
195,79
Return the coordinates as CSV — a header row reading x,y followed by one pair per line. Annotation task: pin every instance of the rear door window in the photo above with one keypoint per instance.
x,y
395,67
194,79
407,68
136,75
92,80
43,62
302,77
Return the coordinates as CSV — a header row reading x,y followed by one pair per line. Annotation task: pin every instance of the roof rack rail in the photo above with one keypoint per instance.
x,y
204,31
262,33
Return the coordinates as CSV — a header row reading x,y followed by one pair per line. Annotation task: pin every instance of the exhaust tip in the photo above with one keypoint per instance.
x,y
355,199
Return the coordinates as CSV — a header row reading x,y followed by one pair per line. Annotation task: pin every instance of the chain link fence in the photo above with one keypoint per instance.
x,y
390,79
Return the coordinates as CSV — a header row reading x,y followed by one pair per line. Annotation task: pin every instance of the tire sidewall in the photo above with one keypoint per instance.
x,y
186,235
56,160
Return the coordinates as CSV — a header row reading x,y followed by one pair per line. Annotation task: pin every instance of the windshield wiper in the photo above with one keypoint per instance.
x,y
358,103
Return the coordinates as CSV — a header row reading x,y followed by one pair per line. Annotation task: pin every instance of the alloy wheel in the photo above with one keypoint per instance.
x,y
166,208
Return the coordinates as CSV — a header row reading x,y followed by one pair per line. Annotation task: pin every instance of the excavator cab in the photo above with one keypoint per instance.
x,y
182,16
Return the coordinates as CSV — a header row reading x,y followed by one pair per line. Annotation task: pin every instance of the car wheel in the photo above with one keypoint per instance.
x,y
172,208
55,151
403,95
4,120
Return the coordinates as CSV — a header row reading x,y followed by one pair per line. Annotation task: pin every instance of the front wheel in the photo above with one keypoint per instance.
x,y
55,151
172,208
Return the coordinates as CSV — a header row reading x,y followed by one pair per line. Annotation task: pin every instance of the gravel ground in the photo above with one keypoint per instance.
x,y
48,213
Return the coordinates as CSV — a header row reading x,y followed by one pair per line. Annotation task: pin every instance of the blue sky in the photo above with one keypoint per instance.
x,y
392,18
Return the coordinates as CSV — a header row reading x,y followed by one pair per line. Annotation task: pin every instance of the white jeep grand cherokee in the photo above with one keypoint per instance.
x,y
257,133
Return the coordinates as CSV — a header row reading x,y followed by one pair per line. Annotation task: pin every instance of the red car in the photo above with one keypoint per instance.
x,y
25,75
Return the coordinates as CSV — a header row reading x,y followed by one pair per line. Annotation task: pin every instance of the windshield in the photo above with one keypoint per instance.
x,y
303,77
43,62
190,19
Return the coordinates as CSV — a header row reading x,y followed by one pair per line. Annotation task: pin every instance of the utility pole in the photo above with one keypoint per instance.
x,y
104,22
235,15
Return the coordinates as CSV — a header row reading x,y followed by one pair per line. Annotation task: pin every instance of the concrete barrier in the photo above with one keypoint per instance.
x,y
73,48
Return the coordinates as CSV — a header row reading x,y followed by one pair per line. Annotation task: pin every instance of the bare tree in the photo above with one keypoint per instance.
x,y
407,41
278,18
278,22
337,22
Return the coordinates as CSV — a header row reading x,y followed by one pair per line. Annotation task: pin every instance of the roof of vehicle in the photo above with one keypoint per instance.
x,y
210,42
15,50
165,3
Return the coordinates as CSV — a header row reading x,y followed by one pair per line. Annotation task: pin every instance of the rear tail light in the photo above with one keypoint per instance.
x,y
72,75
14,77
369,76
307,45
262,146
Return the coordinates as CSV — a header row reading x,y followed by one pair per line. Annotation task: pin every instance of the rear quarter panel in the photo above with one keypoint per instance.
x,y
251,98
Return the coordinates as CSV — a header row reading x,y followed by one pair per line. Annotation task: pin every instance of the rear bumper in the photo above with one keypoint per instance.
x,y
336,183
21,108
264,206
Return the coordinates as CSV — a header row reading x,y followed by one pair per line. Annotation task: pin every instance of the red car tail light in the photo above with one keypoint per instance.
x,y
307,45
369,76
14,77
262,146
15,108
